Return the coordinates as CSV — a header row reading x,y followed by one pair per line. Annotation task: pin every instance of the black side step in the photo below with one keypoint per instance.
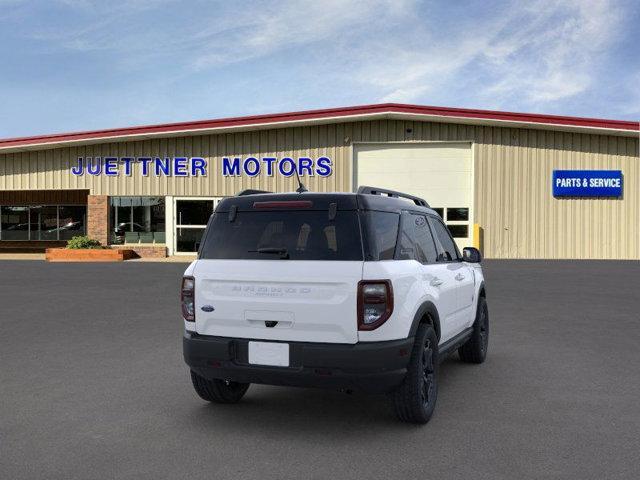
x,y
454,343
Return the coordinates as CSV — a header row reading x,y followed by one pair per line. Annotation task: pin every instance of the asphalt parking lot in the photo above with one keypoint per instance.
x,y
92,385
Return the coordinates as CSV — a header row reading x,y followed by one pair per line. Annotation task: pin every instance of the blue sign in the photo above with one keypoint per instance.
x,y
197,166
269,166
587,183
145,166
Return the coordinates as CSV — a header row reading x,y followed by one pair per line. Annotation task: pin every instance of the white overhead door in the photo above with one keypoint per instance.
x,y
441,173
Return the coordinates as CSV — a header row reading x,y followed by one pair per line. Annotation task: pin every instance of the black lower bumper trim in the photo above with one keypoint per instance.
x,y
373,367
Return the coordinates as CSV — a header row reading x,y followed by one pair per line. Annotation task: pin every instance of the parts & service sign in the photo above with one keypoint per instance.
x,y
587,183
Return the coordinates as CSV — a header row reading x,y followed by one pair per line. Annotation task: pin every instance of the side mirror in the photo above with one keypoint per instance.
x,y
471,255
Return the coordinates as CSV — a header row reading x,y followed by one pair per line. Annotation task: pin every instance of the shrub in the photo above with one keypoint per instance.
x,y
82,241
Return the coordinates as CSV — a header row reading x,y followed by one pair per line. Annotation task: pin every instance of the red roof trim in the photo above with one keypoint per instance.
x,y
328,113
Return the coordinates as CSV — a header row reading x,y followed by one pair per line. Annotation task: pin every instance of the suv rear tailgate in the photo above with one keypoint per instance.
x,y
304,300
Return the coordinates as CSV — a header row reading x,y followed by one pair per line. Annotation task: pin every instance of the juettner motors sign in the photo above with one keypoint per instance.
x,y
197,166
587,183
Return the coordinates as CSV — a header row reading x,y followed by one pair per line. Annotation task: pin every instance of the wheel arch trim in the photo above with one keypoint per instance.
x,y
427,308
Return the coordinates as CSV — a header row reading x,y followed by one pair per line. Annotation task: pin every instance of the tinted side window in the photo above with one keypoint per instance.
x,y
416,242
382,233
450,251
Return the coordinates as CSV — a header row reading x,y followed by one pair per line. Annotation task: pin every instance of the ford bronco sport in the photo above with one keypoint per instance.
x,y
355,291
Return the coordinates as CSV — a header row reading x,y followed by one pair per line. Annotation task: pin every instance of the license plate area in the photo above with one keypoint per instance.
x,y
269,353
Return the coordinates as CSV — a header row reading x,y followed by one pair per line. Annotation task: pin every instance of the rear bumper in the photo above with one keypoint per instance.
x,y
373,367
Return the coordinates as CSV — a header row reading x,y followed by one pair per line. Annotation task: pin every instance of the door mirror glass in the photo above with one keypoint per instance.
x,y
471,255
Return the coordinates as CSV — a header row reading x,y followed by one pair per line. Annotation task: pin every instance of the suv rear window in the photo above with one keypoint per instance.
x,y
273,235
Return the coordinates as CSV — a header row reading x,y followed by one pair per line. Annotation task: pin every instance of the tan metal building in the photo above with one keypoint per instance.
x,y
491,170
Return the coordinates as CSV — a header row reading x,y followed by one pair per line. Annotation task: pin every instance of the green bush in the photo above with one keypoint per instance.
x,y
82,241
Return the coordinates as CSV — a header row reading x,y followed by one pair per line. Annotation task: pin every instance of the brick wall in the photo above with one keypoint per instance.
x,y
144,251
98,218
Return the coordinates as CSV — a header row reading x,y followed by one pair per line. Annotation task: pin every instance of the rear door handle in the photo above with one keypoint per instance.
x,y
459,277
436,282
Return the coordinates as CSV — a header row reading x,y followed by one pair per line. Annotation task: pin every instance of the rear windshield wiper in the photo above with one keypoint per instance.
x,y
283,252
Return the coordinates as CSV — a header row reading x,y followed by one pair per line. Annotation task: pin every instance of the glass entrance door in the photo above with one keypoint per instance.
x,y
192,215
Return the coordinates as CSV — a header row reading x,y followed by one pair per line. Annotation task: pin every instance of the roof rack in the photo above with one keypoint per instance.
x,y
392,193
250,191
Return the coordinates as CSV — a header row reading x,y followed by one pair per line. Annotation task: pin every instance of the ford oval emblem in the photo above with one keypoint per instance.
x,y
207,308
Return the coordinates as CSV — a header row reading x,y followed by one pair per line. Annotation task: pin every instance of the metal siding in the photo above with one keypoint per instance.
x,y
513,202
521,219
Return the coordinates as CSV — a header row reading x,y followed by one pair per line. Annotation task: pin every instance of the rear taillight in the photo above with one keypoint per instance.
x,y
375,303
187,298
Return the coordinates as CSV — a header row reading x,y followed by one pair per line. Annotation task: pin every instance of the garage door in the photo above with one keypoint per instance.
x,y
440,173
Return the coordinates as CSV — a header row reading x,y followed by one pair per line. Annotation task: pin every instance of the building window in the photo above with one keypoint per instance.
x,y
71,221
15,223
456,220
457,214
137,219
42,222
458,231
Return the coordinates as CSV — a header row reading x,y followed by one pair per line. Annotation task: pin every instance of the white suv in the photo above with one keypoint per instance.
x,y
354,291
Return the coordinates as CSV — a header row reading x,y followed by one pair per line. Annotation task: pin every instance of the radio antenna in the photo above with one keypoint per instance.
x,y
301,188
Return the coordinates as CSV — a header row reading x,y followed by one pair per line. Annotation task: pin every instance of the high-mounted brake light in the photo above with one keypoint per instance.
x,y
284,204
375,303
187,298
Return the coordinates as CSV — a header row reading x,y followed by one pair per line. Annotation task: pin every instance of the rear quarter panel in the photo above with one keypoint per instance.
x,y
409,293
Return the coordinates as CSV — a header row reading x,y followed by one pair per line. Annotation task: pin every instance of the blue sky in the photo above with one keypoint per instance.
x,y
81,64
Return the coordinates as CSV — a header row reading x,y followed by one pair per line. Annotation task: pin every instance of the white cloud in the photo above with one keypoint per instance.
x,y
283,25
630,105
507,55
556,54
217,32
545,52
406,74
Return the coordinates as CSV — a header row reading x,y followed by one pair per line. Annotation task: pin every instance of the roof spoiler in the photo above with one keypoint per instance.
x,y
392,193
250,191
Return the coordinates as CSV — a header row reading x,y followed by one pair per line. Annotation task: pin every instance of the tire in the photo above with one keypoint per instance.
x,y
475,349
218,391
415,399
